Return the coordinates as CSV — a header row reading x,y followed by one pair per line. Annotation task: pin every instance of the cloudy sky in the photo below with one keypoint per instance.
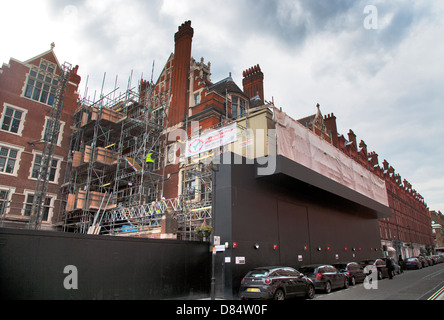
x,y
377,65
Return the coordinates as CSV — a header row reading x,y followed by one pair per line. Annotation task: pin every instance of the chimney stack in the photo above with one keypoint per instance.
x,y
253,82
330,123
352,138
181,67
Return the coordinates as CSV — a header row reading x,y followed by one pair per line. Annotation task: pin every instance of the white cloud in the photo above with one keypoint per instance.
x,y
385,84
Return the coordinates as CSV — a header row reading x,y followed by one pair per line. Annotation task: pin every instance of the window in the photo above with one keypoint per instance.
x,y
152,193
11,120
242,108
292,273
196,98
189,185
157,116
4,197
47,207
52,171
8,158
156,158
238,107
234,107
42,83
46,131
171,154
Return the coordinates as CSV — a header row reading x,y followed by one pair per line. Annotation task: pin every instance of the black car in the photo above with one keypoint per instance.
x,y
380,267
353,271
276,283
325,277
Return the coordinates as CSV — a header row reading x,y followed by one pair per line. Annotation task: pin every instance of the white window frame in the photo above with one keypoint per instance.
x,y
58,168
22,120
10,191
171,154
19,150
197,98
41,77
60,137
53,198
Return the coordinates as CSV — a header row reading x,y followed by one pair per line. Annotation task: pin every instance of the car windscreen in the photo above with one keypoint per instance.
x,y
258,273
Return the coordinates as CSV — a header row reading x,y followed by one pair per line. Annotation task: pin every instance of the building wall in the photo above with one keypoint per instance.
x,y
293,223
437,219
28,140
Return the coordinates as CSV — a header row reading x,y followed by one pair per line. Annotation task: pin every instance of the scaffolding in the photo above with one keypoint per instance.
x,y
196,196
115,155
116,170
197,187
53,128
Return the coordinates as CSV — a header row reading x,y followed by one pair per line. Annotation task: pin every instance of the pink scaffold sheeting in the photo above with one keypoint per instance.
x,y
297,143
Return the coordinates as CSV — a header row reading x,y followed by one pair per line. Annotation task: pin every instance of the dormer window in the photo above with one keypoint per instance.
x,y
42,83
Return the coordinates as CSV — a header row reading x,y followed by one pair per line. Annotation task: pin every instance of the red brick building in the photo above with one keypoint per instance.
x,y
27,94
195,98
437,228
408,231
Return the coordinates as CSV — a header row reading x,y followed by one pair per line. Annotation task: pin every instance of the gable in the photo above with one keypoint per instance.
x,y
48,55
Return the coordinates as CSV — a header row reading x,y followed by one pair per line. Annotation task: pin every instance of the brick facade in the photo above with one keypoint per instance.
x,y
27,92
195,98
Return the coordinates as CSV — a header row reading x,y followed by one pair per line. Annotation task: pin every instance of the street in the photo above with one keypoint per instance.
x,y
420,284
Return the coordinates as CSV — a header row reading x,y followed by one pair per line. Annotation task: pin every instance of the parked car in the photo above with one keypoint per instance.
x,y
430,260
325,277
380,267
353,271
423,261
276,283
412,263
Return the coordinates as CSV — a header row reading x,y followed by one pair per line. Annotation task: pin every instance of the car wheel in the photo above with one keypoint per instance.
x,y
345,283
379,275
352,281
310,292
279,295
327,287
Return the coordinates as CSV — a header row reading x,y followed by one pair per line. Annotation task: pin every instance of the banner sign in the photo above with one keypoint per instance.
x,y
211,140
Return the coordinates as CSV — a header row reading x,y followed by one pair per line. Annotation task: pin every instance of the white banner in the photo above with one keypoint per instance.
x,y
211,140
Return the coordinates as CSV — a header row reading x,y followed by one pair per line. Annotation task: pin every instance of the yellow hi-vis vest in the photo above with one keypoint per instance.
x,y
148,158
